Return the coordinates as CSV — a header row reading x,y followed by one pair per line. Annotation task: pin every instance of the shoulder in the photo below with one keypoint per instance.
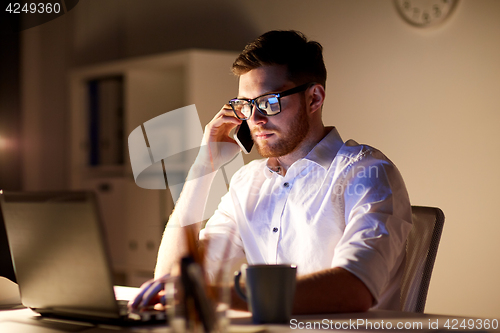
x,y
353,152
355,159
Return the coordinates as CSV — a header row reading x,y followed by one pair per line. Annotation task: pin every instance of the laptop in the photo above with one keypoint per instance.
x,y
60,258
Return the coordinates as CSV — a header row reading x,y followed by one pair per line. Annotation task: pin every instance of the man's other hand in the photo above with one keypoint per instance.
x,y
151,294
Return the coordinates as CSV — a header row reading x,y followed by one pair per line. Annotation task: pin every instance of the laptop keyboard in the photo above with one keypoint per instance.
x,y
142,316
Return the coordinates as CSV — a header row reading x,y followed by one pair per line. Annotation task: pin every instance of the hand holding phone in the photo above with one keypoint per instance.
x,y
243,137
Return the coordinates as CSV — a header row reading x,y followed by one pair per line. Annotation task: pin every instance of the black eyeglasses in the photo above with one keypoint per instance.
x,y
268,104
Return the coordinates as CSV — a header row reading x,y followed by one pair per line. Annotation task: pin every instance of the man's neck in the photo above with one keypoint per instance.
x,y
302,150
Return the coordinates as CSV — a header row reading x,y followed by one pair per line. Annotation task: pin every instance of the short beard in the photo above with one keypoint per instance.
x,y
290,141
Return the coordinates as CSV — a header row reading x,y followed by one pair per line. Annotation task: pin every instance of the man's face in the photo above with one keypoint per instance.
x,y
281,134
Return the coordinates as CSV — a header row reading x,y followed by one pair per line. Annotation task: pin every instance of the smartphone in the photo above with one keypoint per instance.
x,y
243,137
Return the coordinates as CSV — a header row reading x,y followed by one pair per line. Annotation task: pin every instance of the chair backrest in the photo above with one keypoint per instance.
x,y
421,249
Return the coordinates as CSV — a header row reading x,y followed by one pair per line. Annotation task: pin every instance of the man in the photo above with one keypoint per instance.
x,y
339,211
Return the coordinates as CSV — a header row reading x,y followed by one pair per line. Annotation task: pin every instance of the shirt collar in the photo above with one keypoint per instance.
x,y
326,150
323,153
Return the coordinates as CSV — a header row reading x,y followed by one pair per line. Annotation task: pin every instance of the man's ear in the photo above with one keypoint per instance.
x,y
316,97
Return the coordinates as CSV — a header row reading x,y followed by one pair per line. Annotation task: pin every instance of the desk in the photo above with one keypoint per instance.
x,y
27,321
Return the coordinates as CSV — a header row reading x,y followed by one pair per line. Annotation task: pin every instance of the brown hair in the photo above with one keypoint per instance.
x,y
303,58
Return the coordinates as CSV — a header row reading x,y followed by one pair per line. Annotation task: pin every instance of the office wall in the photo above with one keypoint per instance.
x,y
428,98
10,120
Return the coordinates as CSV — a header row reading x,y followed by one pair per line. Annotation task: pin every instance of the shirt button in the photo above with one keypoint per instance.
x,y
286,185
275,229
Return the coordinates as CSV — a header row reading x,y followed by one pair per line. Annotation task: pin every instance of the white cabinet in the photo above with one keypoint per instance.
x,y
150,86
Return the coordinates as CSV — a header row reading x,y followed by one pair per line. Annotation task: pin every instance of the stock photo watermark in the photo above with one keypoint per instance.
x,y
367,324
161,155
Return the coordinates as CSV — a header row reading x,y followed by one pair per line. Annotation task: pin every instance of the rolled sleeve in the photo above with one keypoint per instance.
x,y
378,220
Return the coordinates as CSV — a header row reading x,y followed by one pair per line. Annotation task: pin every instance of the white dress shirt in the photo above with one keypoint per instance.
x,y
343,205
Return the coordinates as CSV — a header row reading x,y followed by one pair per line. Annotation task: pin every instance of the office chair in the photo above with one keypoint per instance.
x,y
421,249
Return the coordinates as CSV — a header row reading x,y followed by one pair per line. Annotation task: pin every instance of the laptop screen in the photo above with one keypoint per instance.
x,y
59,254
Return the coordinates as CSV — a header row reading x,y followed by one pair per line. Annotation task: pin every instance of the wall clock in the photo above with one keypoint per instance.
x,y
425,13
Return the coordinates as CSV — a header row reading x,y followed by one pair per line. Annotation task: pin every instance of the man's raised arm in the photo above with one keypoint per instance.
x,y
217,149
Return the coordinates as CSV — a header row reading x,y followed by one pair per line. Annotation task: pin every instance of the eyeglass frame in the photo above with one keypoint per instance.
x,y
278,96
